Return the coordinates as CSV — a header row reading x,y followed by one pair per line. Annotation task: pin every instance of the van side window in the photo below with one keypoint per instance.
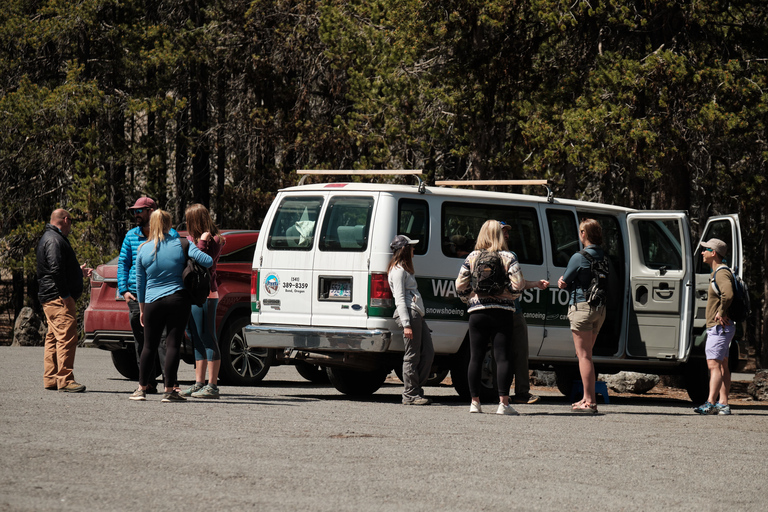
x,y
293,228
346,224
413,222
461,222
563,236
722,230
613,239
660,243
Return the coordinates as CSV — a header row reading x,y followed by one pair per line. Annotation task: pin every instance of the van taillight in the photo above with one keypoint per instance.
x,y
381,295
254,291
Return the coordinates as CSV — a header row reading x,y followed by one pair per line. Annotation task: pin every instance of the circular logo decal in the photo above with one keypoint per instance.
x,y
272,284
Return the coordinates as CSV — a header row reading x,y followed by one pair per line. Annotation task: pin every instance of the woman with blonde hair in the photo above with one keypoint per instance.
x,y
490,280
163,301
417,339
204,235
585,320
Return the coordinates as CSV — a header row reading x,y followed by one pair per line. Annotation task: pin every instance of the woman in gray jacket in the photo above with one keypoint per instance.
x,y
419,352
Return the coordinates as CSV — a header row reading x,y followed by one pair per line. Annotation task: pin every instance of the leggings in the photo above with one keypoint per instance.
x,y
494,326
170,312
202,330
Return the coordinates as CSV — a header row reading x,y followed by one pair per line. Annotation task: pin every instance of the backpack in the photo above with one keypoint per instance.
x,y
597,291
489,276
197,279
740,307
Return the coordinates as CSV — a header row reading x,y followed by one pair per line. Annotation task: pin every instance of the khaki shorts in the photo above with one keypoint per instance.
x,y
585,318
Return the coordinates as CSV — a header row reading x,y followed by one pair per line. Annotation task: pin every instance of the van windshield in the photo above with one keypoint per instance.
x,y
294,225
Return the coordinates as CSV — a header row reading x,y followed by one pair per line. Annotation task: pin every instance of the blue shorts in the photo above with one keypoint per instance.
x,y
719,341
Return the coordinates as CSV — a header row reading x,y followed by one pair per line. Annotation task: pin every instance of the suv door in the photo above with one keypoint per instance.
x,y
727,229
661,285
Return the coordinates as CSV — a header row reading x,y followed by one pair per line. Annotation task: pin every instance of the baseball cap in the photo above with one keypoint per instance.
x,y
504,225
401,241
716,245
144,202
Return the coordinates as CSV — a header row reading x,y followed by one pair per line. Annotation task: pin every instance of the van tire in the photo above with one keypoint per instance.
x,y
242,365
696,377
460,378
357,383
564,377
312,372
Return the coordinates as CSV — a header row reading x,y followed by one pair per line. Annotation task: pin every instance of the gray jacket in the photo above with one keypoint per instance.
x,y
406,295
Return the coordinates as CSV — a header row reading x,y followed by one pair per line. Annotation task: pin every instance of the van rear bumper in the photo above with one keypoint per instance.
x,y
318,338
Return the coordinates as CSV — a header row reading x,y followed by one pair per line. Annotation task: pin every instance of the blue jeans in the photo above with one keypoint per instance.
x,y
202,330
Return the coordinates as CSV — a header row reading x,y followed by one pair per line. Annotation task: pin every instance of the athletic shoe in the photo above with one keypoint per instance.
x,y
173,396
707,408
507,410
419,400
723,409
525,399
139,394
192,389
475,407
207,391
151,389
73,387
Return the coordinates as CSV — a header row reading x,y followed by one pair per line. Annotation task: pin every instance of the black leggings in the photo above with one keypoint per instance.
x,y
492,325
171,313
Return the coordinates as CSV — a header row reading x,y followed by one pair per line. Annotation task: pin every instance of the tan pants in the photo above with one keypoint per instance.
x,y
60,342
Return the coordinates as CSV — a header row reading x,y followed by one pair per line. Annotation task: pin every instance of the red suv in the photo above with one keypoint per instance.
x,y
108,327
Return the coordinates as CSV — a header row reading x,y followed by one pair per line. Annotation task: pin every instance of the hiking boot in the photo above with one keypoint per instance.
x,y
207,391
192,389
73,387
139,394
173,396
707,408
525,399
419,400
723,409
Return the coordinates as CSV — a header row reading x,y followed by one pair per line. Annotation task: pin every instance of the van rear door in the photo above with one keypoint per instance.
x,y
727,229
285,265
661,285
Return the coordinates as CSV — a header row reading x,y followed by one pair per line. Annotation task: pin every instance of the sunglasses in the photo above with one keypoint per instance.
x,y
708,249
137,211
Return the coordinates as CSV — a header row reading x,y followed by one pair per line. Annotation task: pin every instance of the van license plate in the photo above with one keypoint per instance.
x,y
340,289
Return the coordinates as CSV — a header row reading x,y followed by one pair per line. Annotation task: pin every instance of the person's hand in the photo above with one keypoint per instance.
x,y
722,320
129,296
205,236
141,318
542,284
562,284
408,333
87,271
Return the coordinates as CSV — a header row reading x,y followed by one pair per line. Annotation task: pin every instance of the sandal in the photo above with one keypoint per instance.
x,y
584,407
580,402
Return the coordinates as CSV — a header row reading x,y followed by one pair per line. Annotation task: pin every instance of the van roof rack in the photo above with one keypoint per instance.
x,y
368,172
467,183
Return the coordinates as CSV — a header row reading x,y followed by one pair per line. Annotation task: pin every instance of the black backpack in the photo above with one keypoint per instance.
x,y
489,277
597,291
197,279
739,309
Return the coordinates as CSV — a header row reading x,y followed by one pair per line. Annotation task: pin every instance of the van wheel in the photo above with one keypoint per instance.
x,y
242,365
125,363
312,372
696,376
564,377
357,382
460,379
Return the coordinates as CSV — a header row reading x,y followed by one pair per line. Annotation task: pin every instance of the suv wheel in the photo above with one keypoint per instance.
x,y
242,365
125,363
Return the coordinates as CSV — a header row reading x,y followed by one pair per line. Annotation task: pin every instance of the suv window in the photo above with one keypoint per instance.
x,y
413,222
346,224
461,222
244,255
563,236
294,225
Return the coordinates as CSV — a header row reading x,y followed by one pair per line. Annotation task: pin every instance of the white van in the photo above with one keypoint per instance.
x,y
319,287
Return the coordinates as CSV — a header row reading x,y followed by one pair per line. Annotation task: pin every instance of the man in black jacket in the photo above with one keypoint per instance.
x,y
60,279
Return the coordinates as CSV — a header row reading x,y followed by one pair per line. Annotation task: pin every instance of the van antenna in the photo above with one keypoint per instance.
x,y
379,172
466,183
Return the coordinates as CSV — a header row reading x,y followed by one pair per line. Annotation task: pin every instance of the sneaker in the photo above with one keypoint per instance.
x,y
707,408
192,389
173,396
475,407
507,410
419,400
73,387
152,389
525,399
207,391
139,394
723,409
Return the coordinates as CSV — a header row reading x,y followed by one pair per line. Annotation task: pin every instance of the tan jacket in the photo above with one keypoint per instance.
x,y
719,303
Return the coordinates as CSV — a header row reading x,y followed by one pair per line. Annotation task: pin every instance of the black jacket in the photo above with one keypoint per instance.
x,y
58,272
